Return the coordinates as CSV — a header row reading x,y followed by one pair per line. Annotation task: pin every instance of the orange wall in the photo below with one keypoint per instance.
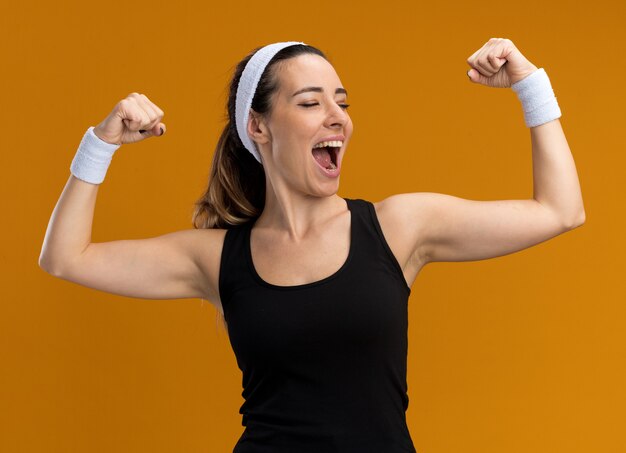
x,y
521,353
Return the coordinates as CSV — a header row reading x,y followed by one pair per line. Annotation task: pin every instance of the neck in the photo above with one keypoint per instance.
x,y
296,214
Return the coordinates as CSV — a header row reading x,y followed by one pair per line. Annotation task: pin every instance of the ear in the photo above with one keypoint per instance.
x,y
257,128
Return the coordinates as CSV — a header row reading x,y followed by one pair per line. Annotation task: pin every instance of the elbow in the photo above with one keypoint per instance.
x,y
55,263
566,221
49,266
577,221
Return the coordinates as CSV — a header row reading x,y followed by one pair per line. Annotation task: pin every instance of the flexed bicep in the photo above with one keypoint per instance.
x,y
456,229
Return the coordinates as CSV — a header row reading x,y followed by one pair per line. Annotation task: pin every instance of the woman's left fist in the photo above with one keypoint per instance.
x,y
499,64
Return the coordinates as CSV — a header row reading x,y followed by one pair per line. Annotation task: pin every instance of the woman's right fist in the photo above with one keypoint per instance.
x,y
131,120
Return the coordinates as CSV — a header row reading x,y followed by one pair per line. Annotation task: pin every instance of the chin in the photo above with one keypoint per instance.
x,y
329,189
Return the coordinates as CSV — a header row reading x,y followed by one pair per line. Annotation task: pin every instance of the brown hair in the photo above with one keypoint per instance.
x,y
235,193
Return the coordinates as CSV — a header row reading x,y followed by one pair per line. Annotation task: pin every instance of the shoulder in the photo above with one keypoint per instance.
x,y
404,218
409,209
205,247
202,239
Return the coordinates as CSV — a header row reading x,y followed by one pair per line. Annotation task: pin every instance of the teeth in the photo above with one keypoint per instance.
x,y
334,144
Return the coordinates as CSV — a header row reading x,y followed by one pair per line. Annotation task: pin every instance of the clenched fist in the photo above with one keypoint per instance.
x,y
133,119
498,64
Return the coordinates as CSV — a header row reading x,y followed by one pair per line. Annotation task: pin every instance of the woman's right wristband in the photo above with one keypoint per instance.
x,y
92,158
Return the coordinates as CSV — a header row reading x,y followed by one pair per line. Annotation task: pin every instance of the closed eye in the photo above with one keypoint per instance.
x,y
343,106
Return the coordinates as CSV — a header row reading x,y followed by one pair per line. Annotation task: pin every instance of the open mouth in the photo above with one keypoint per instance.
x,y
326,156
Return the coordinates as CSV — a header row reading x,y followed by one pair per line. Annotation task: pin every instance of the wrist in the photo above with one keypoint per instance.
x,y
93,157
523,74
98,133
537,97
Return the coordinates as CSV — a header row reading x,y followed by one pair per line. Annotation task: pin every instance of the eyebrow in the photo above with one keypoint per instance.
x,y
319,90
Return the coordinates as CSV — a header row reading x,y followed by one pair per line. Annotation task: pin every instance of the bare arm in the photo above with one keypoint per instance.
x,y
439,227
555,180
163,267
70,225
182,264
462,230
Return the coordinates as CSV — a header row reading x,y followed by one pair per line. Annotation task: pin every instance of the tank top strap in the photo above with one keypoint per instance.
x,y
234,271
370,242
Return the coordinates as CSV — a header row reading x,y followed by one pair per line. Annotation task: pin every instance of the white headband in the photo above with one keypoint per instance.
x,y
247,87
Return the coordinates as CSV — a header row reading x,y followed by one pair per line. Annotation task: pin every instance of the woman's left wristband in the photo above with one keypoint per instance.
x,y
537,97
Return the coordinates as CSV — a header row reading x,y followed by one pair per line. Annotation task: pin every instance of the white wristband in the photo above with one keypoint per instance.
x,y
92,158
537,98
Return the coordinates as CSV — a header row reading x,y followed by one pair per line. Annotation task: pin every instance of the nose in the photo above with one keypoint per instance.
x,y
336,116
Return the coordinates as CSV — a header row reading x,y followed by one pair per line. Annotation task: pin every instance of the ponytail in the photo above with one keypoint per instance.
x,y
236,190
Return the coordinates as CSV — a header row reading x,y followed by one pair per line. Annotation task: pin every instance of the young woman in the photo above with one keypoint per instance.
x,y
313,286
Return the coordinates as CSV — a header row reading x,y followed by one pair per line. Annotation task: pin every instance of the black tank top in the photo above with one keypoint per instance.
x,y
324,363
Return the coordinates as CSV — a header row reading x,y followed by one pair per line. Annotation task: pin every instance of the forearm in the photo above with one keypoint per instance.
x,y
500,64
69,228
555,180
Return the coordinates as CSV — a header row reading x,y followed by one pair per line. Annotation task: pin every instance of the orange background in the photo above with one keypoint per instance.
x,y
521,353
